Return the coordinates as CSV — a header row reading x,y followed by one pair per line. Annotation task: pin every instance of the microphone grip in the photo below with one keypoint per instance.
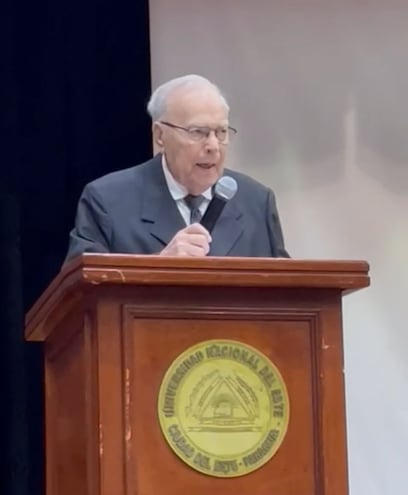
x,y
213,212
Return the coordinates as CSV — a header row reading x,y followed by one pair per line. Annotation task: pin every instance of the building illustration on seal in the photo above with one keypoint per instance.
x,y
223,402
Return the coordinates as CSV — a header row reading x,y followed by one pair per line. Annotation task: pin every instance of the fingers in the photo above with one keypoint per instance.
x,y
197,228
194,240
184,249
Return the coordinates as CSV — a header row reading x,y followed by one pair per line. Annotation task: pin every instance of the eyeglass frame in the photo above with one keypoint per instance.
x,y
205,129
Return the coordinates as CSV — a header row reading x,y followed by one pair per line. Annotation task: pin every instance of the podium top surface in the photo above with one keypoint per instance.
x,y
92,270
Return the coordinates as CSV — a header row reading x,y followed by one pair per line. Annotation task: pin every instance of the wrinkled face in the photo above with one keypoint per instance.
x,y
197,165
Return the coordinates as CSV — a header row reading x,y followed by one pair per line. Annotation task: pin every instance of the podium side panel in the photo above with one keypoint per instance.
x,y
71,411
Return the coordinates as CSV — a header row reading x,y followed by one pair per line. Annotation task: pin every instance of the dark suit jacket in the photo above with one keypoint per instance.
x,y
132,211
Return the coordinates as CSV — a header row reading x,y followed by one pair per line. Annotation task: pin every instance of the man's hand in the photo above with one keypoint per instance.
x,y
194,240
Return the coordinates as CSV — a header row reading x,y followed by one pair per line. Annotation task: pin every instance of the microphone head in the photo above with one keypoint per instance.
x,y
226,187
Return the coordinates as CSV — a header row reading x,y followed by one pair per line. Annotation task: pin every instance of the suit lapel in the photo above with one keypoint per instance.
x,y
159,208
227,230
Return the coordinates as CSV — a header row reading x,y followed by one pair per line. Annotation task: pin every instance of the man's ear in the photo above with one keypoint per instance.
x,y
157,131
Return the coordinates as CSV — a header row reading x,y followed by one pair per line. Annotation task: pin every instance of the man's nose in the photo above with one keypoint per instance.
x,y
212,143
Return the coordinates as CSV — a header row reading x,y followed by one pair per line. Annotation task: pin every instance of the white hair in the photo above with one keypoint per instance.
x,y
157,103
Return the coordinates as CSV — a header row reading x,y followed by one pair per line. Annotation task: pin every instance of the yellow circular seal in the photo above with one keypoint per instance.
x,y
223,408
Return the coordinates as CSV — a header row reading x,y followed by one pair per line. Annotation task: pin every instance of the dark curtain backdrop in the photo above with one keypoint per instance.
x,y
75,79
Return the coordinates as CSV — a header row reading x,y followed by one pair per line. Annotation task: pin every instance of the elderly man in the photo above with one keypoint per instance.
x,y
147,209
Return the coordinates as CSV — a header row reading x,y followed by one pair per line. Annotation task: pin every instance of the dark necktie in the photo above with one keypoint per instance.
x,y
194,202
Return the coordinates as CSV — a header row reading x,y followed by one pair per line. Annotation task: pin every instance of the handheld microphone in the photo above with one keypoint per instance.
x,y
224,190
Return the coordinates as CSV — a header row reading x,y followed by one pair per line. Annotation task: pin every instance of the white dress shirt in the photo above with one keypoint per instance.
x,y
179,192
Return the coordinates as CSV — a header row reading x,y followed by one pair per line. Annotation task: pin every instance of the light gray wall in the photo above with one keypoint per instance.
x,y
319,95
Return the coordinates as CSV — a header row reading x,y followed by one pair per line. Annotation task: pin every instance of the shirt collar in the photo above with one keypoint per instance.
x,y
177,190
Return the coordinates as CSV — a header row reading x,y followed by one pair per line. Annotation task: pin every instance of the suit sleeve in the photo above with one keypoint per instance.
x,y
278,249
92,231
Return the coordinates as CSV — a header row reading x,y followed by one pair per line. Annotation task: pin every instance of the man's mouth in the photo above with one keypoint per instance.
x,y
205,165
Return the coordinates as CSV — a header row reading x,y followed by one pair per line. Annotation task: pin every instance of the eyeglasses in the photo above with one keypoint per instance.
x,y
199,134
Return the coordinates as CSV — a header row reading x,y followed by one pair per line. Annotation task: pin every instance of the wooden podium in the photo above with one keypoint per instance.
x,y
113,324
